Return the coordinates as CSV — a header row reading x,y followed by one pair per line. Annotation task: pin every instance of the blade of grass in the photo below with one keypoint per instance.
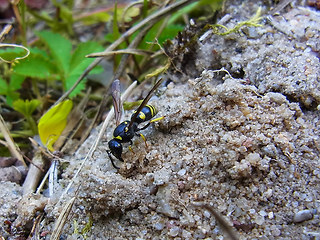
x,y
62,219
220,219
121,51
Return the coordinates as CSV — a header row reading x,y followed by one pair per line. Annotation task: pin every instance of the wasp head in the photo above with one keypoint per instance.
x,y
115,148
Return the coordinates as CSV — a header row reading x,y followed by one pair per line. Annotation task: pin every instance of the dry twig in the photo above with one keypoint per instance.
x,y
14,149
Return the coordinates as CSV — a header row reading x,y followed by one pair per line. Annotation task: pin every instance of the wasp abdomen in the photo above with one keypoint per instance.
x,y
146,113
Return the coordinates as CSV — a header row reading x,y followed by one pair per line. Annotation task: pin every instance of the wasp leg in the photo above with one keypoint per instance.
x,y
157,119
111,159
130,148
151,121
144,138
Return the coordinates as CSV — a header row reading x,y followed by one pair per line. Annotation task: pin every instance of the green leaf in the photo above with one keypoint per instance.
x,y
34,66
11,97
131,14
109,38
16,82
78,61
26,107
95,18
145,8
40,52
150,36
215,5
69,83
185,10
53,122
170,32
60,49
9,89
12,52
3,86
66,14
97,70
115,28
81,86
116,33
158,71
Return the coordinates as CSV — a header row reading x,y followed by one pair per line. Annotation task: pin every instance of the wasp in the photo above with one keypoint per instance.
x,y
125,131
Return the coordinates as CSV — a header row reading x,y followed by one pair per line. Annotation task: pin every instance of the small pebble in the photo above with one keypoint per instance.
x,y
186,234
174,231
7,161
11,174
206,214
182,172
263,213
270,215
259,220
304,215
158,226
268,193
252,211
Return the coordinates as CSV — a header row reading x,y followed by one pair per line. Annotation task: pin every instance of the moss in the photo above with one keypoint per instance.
x,y
252,22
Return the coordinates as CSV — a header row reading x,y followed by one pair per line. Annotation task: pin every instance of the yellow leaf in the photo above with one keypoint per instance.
x,y
52,123
158,71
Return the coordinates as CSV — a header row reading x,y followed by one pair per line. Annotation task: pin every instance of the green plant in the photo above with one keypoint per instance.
x,y
61,63
26,108
252,22
9,89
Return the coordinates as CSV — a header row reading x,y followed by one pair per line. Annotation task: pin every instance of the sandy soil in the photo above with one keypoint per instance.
x,y
246,144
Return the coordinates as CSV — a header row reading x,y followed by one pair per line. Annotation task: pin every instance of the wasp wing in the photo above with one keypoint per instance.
x,y
115,92
144,102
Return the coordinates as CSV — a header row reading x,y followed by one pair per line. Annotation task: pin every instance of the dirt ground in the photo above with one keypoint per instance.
x,y
247,144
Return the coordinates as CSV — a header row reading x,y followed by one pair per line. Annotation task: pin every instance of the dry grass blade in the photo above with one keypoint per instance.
x,y
14,150
5,31
61,221
53,177
121,51
279,7
35,231
222,222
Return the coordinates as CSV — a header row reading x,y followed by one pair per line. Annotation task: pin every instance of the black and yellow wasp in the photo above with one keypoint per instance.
x,y
125,131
